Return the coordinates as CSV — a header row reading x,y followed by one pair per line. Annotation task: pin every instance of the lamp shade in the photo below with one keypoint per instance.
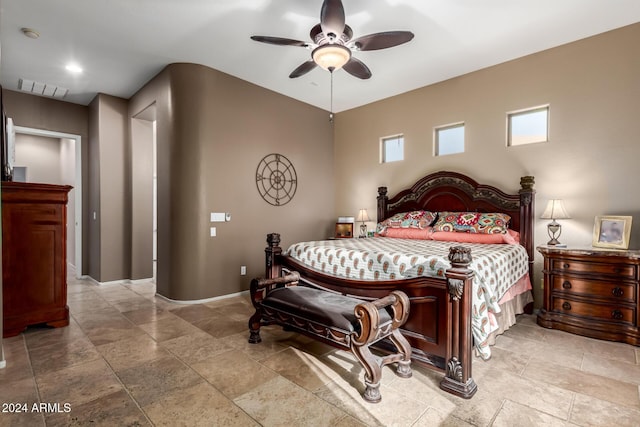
x,y
363,216
555,210
331,57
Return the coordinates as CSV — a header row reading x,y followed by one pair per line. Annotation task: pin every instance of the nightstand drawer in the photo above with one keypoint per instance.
x,y
614,291
576,266
604,312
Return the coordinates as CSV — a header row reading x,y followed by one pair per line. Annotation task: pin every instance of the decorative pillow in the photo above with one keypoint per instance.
x,y
408,233
472,222
414,219
452,236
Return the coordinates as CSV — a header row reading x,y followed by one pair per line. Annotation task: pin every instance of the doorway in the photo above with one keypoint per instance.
x,y
144,189
71,151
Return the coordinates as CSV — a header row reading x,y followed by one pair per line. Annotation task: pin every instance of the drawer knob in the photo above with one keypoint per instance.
x,y
618,292
616,314
566,306
566,284
565,265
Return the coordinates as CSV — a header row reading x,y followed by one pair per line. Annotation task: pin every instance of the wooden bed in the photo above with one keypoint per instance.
x,y
439,324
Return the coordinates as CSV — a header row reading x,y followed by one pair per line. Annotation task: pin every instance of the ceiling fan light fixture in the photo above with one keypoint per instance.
x,y
331,56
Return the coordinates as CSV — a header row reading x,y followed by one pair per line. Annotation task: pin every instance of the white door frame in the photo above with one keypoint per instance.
x,y
77,185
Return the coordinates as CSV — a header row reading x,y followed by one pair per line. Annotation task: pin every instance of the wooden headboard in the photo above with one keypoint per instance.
x,y
452,191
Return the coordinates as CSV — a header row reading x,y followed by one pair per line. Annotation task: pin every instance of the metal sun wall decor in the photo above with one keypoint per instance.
x,y
276,179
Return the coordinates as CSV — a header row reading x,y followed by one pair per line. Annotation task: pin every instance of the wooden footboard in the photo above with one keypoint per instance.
x,y
439,323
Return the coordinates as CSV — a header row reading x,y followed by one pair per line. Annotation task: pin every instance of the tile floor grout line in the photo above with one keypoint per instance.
x,y
495,415
33,376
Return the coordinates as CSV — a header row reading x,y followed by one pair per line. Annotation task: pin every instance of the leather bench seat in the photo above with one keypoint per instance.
x,y
330,309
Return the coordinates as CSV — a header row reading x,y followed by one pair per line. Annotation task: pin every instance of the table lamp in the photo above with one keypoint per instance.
x,y
554,210
363,217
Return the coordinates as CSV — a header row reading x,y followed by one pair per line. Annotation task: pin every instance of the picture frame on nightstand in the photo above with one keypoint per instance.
x,y
344,230
612,232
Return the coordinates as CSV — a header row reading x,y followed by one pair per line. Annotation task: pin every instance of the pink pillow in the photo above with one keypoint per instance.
x,y
453,236
407,233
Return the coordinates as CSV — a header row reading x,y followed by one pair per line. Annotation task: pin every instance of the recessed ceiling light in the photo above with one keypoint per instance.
x,y
30,32
73,68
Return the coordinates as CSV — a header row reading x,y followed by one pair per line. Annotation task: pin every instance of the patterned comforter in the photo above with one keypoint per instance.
x,y
496,267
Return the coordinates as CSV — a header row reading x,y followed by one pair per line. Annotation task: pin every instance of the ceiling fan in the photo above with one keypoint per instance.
x,y
332,46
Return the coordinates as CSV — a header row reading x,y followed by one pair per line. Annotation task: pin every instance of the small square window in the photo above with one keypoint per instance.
x,y
528,127
449,139
392,149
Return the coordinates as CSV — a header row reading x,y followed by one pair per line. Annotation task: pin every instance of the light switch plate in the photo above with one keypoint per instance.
x,y
212,232
218,216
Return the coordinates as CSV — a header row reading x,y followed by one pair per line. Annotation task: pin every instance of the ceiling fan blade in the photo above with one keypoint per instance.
x,y
303,69
356,68
381,40
332,18
279,41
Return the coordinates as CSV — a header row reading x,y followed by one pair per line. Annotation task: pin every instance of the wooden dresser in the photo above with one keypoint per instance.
x,y
592,292
34,264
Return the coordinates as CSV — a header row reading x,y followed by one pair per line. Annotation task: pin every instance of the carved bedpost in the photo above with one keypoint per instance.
x,y
273,268
382,203
527,213
458,378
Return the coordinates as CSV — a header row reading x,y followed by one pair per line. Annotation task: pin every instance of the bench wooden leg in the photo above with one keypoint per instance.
x,y
404,348
373,373
254,328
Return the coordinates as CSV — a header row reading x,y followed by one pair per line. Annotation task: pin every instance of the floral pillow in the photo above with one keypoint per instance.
x,y
472,222
413,219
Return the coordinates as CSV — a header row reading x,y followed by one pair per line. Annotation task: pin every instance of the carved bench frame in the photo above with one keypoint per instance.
x,y
370,329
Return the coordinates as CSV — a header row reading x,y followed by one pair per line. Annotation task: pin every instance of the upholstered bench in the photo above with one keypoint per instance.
x,y
336,319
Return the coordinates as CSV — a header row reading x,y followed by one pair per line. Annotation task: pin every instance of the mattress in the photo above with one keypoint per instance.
x,y
497,268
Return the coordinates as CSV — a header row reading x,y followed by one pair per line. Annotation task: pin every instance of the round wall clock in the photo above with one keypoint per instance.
x,y
276,179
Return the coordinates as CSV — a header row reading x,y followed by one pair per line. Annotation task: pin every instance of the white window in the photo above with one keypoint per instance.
x,y
449,139
528,126
392,148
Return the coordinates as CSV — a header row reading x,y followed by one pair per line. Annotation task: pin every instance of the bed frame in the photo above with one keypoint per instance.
x,y
439,324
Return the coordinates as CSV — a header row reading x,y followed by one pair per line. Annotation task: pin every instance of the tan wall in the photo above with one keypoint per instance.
x,y
36,112
109,144
41,156
93,186
212,131
593,89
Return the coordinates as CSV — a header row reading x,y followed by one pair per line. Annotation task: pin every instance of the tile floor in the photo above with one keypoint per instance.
x,y
129,358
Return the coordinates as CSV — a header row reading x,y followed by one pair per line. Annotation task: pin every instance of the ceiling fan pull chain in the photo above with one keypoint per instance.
x,y
331,106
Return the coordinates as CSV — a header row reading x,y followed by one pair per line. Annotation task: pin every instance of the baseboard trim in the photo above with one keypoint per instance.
x,y
202,301
112,282
118,282
138,281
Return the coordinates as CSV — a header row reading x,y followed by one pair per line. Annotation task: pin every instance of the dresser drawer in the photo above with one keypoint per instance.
x,y
593,288
619,270
612,312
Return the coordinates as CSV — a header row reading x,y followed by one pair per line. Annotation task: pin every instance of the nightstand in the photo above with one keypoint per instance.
x,y
592,292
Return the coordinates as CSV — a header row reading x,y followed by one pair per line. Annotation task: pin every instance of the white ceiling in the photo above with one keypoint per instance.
x,y
121,44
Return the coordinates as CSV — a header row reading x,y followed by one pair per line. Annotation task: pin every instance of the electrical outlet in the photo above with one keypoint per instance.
x,y
243,270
